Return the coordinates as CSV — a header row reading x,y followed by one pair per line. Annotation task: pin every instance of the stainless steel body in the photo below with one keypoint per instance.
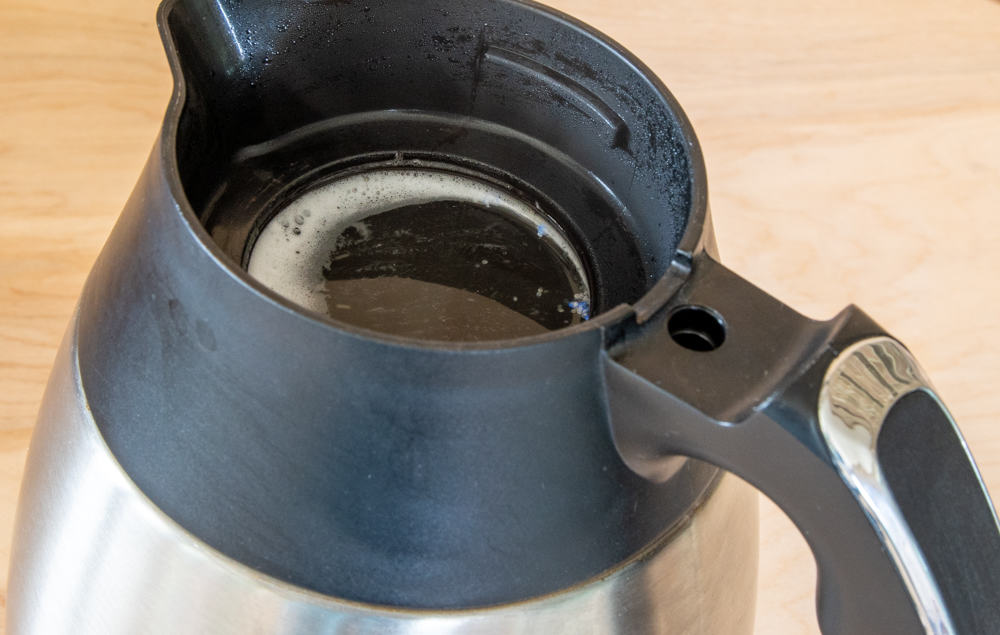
x,y
93,555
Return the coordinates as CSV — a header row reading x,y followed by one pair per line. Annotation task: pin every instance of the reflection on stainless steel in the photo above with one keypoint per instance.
x,y
93,555
860,388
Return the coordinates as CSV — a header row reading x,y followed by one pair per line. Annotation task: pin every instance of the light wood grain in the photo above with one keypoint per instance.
x,y
853,153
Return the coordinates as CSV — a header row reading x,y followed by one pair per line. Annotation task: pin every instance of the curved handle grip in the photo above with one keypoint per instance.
x,y
883,425
835,422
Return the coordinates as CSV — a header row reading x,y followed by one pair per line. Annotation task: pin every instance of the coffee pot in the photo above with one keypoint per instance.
x,y
415,323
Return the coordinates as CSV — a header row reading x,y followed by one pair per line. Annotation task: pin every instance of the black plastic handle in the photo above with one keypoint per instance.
x,y
837,424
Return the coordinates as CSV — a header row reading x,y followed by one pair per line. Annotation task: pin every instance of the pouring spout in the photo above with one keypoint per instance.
x,y
205,37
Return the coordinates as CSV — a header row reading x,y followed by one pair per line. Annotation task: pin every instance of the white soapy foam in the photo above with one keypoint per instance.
x,y
295,246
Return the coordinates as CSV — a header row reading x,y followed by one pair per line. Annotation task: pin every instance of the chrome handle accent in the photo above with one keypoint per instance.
x,y
859,389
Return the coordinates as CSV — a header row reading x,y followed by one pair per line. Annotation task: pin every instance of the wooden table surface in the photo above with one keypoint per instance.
x,y
853,153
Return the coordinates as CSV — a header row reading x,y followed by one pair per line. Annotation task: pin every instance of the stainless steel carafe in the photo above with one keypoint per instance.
x,y
223,450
